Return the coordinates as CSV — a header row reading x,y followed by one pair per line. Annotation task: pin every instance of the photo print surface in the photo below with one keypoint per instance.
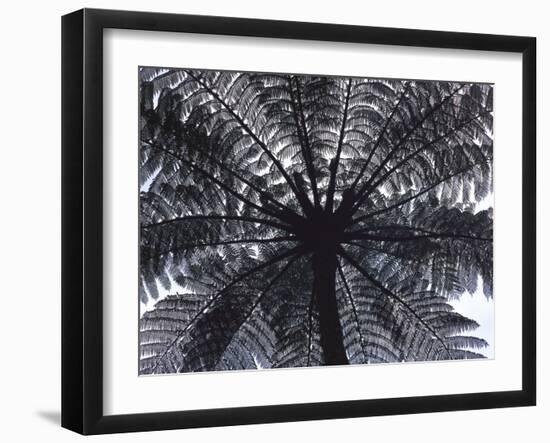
x,y
305,220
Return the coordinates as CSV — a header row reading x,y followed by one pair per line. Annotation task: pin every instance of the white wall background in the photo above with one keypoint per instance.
x,y
30,219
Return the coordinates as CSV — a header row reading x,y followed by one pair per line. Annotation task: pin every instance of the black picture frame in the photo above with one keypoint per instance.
x,y
82,215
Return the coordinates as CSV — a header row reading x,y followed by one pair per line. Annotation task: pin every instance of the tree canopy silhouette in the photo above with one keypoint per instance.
x,y
311,220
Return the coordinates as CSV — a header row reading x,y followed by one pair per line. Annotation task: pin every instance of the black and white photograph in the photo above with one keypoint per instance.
x,y
284,221
297,220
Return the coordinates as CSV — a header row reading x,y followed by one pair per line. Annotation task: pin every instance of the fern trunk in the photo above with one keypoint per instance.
x,y
324,289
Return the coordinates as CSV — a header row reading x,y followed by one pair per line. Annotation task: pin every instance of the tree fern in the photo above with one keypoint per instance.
x,y
310,220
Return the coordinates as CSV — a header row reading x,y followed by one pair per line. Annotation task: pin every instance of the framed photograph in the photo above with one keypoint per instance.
x,y
269,221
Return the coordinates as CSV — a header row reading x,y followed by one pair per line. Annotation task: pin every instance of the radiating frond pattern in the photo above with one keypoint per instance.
x,y
310,220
